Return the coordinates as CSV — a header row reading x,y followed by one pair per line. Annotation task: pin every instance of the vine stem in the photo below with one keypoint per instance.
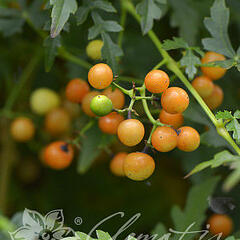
x,y
173,66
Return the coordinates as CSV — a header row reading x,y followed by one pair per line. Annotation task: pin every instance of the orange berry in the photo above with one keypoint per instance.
x,y
57,121
188,139
100,76
22,129
175,120
203,85
164,139
109,123
175,100
130,132
116,164
76,90
213,72
116,96
156,81
220,224
58,155
216,98
138,166
86,103
73,109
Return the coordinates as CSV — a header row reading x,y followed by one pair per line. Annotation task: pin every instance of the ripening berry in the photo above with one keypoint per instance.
x,y
203,85
58,155
109,123
101,105
57,121
213,72
220,224
22,129
164,139
175,100
130,132
116,164
216,98
44,100
116,96
188,139
94,48
156,81
138,166
76,90
175,120
73,109
86,103
100,76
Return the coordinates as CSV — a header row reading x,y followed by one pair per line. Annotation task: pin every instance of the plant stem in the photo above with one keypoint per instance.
x,y
122,23
130,79
24,77
173,66
125,91
150,136
70,57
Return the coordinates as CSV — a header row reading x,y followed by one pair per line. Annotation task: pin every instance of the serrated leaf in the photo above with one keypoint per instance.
x,y
110,51
103,235
51,50
60,13
102,26
91,148
225,64
103,5
217,25
237,114
176,43
188,26
189,61
236,131
191,214
218,160
11,21
149,11
225,115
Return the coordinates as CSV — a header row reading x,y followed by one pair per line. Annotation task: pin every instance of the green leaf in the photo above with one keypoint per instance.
x,y
225,115
217,25
176,43
103,235
149,11
218,160
91,147
236,131
88,6
60,13
197,196
188,23
211,138
102,26
237,114
229,63
160,230
82,14
189,61
11,21
110,51
51,50
232,179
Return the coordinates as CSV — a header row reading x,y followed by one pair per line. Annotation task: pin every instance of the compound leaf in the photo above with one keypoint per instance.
x,y
60,14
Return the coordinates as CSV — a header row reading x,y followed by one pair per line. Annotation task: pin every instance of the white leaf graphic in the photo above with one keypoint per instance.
x,y
54,220
33,220
24,233
63,232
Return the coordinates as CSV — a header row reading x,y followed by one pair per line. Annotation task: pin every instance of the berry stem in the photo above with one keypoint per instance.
x,y
161,63
122,23
173,66
150,136
125,91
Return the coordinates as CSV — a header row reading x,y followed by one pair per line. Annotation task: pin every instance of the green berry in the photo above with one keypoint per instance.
x,y
94,49
101,105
